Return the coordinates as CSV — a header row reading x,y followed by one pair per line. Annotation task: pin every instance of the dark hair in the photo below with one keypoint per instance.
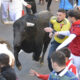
x,y
66,51
8,45
59,58
62,10
4,59
74,13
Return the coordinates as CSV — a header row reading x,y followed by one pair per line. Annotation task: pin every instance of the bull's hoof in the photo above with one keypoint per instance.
x,y
35,59
19,67
41,61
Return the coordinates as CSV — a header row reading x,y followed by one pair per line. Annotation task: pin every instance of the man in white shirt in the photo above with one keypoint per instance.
x,y
13,8
16,7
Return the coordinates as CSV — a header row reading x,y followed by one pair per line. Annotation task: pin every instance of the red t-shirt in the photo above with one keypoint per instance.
x,y
74,46
70,66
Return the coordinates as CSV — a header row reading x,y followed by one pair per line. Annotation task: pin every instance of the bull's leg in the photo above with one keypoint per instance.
x,y
16,51
46,42
37,53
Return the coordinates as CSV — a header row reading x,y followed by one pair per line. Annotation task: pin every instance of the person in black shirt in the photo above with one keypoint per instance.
x,y
6,70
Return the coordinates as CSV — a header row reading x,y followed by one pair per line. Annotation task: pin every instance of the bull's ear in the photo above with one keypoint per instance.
x,y
29,24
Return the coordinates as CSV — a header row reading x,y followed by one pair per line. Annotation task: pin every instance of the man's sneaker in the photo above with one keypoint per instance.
x,y
6,21
48,9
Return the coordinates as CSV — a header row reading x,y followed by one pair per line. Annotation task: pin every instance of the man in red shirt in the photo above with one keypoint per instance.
x,y
74,38
69,65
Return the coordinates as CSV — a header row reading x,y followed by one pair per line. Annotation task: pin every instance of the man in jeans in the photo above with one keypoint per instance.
x,y
57,24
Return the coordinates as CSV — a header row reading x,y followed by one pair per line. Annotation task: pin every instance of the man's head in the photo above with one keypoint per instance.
x,y
66,52
58,61
73,15
4,60
61,14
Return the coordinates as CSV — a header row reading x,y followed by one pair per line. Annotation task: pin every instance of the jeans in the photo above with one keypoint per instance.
x,y
53,47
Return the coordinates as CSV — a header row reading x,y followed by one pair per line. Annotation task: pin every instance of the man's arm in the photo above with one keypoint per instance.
x,y
67,41
78,2
65,33
26,4
41,76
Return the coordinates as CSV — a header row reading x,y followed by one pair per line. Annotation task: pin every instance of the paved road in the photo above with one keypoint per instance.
x,y
6,33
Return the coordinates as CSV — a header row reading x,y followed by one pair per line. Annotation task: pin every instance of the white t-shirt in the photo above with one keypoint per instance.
x,y
17,5
5,50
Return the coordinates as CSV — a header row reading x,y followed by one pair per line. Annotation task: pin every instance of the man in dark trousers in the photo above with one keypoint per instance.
x,y
48,4
33,8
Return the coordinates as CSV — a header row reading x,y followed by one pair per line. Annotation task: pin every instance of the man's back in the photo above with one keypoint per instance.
x,y
8,73
2,78
64,75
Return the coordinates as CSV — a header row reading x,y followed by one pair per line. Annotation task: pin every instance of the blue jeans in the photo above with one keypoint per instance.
x,y
53,47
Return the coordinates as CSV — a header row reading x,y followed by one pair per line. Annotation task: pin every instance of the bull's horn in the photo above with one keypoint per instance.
x,y
29,24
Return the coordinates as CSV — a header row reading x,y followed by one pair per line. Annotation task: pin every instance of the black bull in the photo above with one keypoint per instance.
x,y
31,38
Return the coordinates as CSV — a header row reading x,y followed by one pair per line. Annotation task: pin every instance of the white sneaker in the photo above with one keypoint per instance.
x,y
6,21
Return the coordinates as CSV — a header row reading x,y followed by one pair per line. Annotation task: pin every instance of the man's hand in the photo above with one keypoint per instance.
x,y
50,35
48,29
28,6
56,33
34,73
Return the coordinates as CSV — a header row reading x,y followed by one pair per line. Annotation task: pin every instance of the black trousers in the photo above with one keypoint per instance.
x,y
33,8
48,4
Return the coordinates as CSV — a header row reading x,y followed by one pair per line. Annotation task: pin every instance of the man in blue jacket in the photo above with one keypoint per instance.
x,y
68,4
